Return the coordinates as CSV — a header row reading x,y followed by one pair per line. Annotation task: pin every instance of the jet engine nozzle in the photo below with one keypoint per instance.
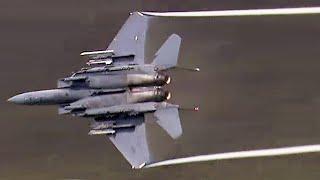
x,y
168,95
161,79
149,95
168,80
148,79
162,95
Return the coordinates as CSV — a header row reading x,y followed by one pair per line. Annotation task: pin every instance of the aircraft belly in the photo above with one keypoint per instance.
x,y
101,101
111,81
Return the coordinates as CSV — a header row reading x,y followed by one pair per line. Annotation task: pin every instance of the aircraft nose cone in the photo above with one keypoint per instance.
x,y
18,99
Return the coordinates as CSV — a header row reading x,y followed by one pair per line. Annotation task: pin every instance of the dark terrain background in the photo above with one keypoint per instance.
x,y
258,88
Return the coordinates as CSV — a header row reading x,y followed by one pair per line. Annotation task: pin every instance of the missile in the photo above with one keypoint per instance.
x,y
101,124
107,128
119,68
100,61
109,125
97,55
75,78
102,132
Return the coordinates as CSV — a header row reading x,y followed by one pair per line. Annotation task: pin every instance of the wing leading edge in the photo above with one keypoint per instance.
x,y
130,39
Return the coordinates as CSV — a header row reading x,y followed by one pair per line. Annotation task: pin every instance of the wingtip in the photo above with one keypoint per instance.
x,y
176,136
140,166
142,13
139,13
148,13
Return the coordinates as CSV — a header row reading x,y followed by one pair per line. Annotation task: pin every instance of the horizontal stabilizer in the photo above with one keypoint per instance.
x,y
169,120
167,55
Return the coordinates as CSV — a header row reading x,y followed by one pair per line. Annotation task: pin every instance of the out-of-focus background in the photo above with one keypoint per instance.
x,y
258,88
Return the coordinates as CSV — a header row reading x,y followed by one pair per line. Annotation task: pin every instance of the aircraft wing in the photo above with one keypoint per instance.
x,y
132,142
130,40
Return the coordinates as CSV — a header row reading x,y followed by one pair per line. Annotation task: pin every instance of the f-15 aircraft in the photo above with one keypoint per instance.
x,y
118,89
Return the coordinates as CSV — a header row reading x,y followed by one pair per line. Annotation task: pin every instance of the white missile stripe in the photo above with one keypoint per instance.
x,y
241,154
249,12
86,53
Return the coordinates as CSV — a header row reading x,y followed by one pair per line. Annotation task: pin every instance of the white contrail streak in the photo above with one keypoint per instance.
x,y
249,12
241,154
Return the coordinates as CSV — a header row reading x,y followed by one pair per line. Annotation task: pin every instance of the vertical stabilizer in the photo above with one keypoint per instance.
x,y
167,55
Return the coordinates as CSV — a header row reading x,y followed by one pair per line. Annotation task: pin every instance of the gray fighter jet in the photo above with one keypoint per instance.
x,y
117,89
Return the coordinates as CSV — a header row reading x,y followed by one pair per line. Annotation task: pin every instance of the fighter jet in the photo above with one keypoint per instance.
x,y
118,89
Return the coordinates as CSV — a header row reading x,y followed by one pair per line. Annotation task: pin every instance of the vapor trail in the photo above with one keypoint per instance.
x,y
249,12
241,154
